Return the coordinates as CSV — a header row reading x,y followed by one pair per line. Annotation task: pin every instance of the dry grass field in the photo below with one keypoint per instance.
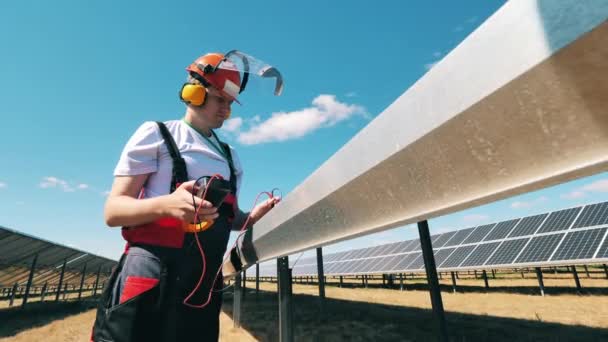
x,y
511,310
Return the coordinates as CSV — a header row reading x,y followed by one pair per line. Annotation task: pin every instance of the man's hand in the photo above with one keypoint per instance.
x,y
262,209
179,205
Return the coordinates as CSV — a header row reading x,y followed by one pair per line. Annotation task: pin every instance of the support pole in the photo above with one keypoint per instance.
x,y
586,271
485,279
401,281
97,281
576,280
60,280
321,275
342,284
13,293
244,283
237,297
84,271
606,270
541,284
285,313
493,274
43,293
30,279
453,283
257,279
431,272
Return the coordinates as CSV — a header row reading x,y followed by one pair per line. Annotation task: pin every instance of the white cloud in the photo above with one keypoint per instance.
x,y
475,218
528,204
351,94
597,186
326,111
233,125
54,182
2,185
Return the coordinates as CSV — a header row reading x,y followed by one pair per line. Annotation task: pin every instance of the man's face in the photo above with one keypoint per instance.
x,y
216,108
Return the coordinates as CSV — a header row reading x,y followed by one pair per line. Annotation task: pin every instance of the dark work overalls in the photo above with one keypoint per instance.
x,y
143,298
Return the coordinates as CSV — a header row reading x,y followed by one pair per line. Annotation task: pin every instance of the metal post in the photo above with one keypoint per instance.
x,y
60,280
606,270
485,279
236,304
341,284
522,274
244,283
586,271
453,283
475,274
84,270
401,281
365,280
257,279
321,275
13,293
65,291
576,280
431,273
440,276
97,281
285,323
541,284
493,274
30,279
43,293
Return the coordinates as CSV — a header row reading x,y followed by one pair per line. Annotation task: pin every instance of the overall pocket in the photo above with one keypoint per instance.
x,y
131,308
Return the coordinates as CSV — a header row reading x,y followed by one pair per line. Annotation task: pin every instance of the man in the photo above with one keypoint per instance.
x,y
165,287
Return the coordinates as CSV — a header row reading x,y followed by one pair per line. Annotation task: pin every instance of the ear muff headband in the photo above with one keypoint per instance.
x,y
194,94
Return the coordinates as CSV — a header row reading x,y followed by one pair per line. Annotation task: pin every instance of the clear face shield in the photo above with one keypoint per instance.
x,y
257,77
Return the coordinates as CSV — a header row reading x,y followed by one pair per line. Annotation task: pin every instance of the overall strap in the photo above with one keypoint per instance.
x,y
231,165
180,172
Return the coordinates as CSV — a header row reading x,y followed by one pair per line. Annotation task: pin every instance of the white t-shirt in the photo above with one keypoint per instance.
x,y
146,152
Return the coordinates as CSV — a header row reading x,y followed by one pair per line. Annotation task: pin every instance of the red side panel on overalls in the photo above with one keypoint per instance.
x,y
135,286
165,232
230,200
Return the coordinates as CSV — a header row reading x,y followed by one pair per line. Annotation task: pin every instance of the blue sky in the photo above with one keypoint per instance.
x,y
77,78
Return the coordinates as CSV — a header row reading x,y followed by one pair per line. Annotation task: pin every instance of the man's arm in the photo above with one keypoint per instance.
x,y
123,208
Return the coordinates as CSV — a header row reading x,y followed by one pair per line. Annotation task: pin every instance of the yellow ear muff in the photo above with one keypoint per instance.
x,y
193,94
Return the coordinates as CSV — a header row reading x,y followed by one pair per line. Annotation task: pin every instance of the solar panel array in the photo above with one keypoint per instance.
x,y
17,252
569,236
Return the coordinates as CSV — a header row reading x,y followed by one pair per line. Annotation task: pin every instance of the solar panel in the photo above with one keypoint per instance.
x,y
540,248
507,252
414,246
603,250
394,247
390,263
593,215
559,220
443,238
580,244
501,230
362,264
457,257
528,225
376,250
418,263
480,254
405,261
460,236
479,233
443,254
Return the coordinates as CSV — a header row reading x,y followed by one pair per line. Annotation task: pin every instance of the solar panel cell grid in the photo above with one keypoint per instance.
x,y
501,230
443,238
507,252
559,220
460,236
540,248
479,233
414,246
528,225
442,254
481,253
593,215
603,250
457,257
390,263
580,244
378,264
417,264
404,262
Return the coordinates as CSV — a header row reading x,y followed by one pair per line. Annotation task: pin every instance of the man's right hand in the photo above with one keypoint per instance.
x,y
179,205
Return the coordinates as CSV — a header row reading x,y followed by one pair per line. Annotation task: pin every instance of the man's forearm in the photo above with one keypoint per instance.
x,y
239,220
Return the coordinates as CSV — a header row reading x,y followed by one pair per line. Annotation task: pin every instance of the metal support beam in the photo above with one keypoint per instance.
x,y
342,284
43,292
401,281
84,271
30,279
236,304
541,284
285,309
257,279
576,280
493,274
485,279
606,270
365,280
431,274
13,293
60,280
244,283
321,275
586,270
97,281
453,283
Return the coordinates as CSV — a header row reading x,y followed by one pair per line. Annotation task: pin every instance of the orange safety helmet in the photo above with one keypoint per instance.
x,y
206,69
